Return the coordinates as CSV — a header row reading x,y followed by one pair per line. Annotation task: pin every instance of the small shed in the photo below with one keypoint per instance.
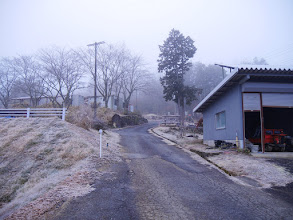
x,y
249,100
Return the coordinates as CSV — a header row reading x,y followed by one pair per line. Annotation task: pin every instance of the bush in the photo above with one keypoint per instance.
x,y
47,105
81,116
24,105
98,124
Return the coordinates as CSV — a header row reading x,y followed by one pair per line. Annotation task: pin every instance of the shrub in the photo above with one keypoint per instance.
x,y
81,116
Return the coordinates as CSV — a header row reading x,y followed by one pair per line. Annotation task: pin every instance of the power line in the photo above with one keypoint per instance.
x,y
288,47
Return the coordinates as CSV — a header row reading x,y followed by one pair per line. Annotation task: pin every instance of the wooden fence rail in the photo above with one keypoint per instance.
x,y
34,112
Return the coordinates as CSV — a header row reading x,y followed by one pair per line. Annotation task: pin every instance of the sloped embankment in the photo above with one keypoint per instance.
x,y
47,161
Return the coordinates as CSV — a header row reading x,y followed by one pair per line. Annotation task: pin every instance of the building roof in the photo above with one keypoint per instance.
x,y
21,98
26,97
242,73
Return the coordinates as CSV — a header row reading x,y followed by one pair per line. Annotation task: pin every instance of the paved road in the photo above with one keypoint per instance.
x,y
158,181
285,193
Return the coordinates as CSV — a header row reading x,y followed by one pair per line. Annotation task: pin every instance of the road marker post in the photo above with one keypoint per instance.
x,y
101,132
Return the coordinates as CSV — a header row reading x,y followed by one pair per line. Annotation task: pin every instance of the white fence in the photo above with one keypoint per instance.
x,y
34,112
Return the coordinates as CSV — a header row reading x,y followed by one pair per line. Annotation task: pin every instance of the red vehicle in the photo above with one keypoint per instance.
x,y
274,139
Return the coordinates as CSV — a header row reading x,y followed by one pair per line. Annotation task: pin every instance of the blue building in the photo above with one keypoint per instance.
x,y
249,100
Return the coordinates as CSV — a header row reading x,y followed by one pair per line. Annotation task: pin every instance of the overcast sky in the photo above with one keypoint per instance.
x,y
224,31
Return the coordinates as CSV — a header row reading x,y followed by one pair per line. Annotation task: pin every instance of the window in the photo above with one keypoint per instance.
x,y
221,120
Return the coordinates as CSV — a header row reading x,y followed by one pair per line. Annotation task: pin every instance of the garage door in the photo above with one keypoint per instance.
x,y
277,100
251,101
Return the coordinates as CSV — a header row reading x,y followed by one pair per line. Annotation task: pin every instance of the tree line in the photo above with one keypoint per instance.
x,y
204,77
57,73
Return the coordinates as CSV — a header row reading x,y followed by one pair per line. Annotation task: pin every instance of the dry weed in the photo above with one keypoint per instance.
x,y
105,115
81,116
38,153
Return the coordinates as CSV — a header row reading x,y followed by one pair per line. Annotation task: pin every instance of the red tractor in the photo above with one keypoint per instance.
x,y
274,140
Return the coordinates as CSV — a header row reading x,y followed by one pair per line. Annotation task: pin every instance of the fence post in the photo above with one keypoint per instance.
x,y
28,112
63,113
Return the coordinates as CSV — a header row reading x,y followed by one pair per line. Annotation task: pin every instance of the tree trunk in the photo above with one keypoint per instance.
x,y
183,117
126,104
6,105
106,102
118,102
180,116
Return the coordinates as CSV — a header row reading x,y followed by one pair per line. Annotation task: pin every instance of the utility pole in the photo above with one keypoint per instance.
x,y
95,77
224,66
136,102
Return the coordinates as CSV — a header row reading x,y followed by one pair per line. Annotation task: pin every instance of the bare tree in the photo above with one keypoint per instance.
x,y
7,81
204,77
152,100
256,61
111,66
30,82
118,90
118,72
62,73
135,79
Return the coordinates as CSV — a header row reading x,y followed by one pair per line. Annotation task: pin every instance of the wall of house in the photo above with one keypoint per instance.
x,y
77,100
231,103
101,102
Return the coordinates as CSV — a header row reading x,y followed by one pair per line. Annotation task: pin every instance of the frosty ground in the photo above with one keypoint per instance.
x,y
45,162
241,167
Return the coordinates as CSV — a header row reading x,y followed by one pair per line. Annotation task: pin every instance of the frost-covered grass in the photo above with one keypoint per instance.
x,y
38,154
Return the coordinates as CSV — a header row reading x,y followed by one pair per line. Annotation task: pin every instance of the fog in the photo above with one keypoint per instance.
x,y
38,37
227,32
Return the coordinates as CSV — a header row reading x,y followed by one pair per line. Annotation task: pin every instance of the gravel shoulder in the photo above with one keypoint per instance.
x,y
260,172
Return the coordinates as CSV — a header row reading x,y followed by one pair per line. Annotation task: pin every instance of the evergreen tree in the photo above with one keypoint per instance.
x,y
174,62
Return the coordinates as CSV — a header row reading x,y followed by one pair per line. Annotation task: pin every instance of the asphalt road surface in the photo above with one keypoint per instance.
x,y
159,181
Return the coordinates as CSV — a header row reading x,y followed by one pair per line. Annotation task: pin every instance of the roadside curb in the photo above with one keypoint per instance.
x,y
152,129
199,153
229,174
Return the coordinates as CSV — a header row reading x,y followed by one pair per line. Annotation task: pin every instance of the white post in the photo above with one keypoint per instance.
x,y
28,112
63,113
101,131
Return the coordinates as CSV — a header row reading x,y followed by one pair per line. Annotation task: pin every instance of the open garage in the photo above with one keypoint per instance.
x,y
268,120
252,107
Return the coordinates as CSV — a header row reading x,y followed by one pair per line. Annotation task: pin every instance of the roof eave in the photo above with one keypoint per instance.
x,y
199,108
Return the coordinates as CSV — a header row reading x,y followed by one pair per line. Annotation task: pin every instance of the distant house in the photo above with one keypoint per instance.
x,y
248,101
27,101
77,100
113,102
